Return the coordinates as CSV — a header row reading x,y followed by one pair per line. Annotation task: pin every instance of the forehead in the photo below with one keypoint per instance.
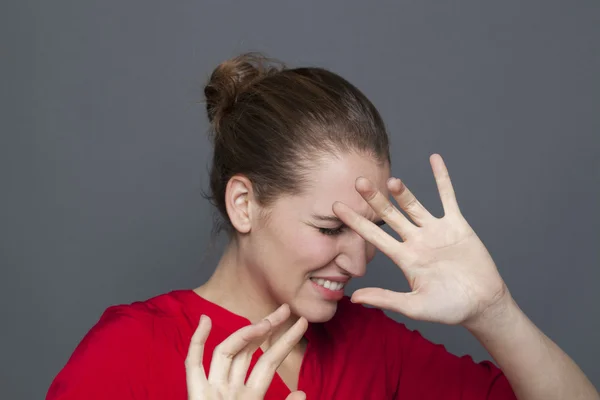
x,y
334,179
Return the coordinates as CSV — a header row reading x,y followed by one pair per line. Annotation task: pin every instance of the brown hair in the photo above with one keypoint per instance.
x,y
271,124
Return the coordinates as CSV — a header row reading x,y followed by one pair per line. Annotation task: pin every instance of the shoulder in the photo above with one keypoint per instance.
x,y
121,347
129,327
399,342
377,331
137,321
414,364
141,323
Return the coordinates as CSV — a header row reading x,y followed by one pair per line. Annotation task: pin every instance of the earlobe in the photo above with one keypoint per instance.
x,y
237,202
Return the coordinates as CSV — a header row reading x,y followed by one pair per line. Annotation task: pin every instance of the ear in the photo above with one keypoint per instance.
x,y
238,196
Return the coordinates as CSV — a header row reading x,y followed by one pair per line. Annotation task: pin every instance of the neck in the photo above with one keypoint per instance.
x,y
233,287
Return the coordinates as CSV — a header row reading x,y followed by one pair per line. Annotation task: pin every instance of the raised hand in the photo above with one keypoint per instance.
x,y
450,272
231,359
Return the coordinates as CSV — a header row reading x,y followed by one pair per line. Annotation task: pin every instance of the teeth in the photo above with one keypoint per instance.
x,y
329,284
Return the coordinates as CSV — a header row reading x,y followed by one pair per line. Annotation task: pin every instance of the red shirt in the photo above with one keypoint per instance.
x,y
137,351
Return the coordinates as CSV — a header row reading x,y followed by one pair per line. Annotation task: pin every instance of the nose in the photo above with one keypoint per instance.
x,y
354,254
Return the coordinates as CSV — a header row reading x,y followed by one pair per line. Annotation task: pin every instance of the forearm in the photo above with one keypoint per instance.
x,y
536,367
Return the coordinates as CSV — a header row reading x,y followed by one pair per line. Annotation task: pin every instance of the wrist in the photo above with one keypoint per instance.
x,y
499,316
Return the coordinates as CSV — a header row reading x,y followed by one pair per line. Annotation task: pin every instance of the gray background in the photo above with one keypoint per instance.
x,y
104,154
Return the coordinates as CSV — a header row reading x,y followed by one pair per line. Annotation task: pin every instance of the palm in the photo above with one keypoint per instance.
x,y
453,271
450,272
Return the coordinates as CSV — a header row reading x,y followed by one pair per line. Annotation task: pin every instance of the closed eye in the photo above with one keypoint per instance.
x,y
340,229
332,231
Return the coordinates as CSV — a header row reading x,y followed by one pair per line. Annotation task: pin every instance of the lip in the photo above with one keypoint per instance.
x,y
328,294
342,279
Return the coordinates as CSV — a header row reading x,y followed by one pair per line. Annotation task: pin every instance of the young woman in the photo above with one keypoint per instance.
x,y
301,176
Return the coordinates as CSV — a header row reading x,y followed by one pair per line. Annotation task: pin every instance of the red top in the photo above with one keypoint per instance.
x,y
137,351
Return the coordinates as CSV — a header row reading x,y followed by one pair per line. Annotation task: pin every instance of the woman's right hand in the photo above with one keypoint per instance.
x,y
231,359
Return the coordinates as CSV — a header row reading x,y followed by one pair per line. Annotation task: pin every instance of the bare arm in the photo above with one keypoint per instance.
x,y
454,280
534,365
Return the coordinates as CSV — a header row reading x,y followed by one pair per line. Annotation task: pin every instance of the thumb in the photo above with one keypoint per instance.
x,y
299,395
409,304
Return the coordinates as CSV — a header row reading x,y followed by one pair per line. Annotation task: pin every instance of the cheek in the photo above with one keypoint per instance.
x,y
314,250
303,247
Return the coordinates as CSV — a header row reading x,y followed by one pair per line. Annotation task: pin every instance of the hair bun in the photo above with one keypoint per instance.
x,y
233,77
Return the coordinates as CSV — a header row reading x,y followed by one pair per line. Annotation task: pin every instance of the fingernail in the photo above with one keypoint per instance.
x,y
355,299
263,322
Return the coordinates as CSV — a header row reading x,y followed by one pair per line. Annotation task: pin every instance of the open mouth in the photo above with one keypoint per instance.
x,y
327,284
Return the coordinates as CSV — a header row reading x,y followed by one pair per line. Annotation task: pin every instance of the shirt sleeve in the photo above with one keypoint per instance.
x,y
426,370
109,363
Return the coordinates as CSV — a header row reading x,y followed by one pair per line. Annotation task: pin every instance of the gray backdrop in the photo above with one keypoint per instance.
x,y
104,153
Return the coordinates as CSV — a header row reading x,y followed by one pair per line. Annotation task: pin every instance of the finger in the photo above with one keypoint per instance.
x,y
384,208
299,395
277,317
373,234
444,185
195,375
408,202
239,367
225,352
241,362
408,304
262,373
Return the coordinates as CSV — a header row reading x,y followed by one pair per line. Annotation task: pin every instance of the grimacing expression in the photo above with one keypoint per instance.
x,y
302,252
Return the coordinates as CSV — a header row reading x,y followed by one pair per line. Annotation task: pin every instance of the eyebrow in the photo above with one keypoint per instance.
x,y
333,218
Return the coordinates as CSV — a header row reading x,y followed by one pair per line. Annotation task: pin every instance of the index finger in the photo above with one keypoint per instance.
x,y
277,317
239,368
226,351
384,208
267,364
369,231
246,339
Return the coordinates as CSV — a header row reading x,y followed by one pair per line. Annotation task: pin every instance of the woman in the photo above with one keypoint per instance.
x,y
301,176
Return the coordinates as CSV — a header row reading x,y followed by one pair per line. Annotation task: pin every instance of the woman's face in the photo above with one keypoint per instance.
x,y
302,254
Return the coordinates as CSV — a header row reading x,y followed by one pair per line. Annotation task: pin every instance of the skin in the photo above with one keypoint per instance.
x,y
454,280
251,279
232,357
452,276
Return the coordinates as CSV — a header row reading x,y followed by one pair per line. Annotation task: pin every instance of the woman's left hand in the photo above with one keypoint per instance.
x,y
450,272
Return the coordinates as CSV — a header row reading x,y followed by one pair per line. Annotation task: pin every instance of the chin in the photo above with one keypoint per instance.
x,y
315,311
